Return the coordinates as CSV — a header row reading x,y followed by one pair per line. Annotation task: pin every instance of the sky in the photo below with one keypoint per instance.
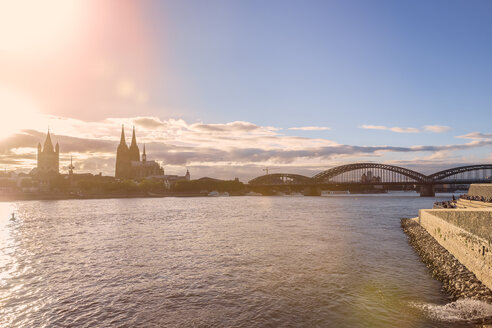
x,y
228,88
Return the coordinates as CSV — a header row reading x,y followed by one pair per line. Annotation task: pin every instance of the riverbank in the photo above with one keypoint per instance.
x,y
457,280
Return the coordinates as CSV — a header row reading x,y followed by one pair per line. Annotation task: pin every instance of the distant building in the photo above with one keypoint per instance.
x,y
128,163
170,180
369,178
48,157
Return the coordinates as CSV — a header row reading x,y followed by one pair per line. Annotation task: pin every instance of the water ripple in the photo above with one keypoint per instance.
x,y
228,262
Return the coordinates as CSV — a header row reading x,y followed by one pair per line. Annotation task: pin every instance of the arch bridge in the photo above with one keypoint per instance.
x,y
281,179
384,175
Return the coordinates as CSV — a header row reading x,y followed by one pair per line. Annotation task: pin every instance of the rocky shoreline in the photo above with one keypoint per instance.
x,y
457,280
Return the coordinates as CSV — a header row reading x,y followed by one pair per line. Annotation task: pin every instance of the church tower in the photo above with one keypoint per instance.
x,y
48,157
128,164
122,169
144,155
134,151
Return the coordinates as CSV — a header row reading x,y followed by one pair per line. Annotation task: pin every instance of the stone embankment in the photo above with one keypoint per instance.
x,y
481,190
457,280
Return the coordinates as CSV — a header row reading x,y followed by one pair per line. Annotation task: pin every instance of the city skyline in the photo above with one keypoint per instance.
x,y
171,143
229,89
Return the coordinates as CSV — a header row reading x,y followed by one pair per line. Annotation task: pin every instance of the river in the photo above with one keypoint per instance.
x,y
335,261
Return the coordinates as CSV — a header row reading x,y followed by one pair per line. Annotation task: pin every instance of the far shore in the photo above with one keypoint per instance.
x,y
60,196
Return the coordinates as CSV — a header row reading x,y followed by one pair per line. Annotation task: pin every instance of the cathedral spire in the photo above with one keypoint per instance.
x,y
134,138
134,151
122,140
122,157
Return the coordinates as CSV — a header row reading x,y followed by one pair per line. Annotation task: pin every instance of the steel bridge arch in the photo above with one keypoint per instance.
x,y
438,176
333,172
276,179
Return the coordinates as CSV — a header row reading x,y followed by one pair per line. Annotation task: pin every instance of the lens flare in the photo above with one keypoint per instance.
x,y
18,112
33,28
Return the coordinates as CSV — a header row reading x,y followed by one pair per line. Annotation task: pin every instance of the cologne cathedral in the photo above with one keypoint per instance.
x,y
128,163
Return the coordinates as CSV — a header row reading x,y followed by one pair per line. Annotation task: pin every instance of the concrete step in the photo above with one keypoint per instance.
x,y
463,203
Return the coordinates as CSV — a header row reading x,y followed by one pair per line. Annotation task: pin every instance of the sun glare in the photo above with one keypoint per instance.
x,y
18,113
37,27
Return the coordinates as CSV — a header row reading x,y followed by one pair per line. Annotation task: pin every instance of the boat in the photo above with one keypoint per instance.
x,y
295,194
217,194
252,193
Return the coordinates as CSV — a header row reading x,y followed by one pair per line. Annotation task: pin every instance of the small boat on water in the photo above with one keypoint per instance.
x,y
217,194
252,193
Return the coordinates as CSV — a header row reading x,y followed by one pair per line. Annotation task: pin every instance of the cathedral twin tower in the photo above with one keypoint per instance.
x,y
125,155
128,164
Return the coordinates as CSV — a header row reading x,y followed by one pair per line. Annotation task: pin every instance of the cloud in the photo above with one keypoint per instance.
x,y
149,122
436,128
176,144
428,128
393,129
476,136
311,128
237,126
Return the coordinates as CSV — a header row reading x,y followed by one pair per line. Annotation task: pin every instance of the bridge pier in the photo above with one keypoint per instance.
x,y
312,191
427,191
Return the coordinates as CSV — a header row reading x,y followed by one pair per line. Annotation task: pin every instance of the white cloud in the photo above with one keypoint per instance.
x,y
178,143
393,129
428,128
311,128
476,136
436,128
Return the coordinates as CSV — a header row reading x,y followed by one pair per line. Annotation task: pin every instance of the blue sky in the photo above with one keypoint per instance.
x,y
217,86
331,63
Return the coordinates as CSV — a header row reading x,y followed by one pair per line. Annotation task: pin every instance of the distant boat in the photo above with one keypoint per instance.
x,y
217,194
334,192
252,193
372,191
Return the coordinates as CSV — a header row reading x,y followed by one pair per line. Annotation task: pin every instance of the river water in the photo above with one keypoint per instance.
x,y
336,261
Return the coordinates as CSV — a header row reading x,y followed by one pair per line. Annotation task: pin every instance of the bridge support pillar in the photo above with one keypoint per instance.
x,y
427,191
312,191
